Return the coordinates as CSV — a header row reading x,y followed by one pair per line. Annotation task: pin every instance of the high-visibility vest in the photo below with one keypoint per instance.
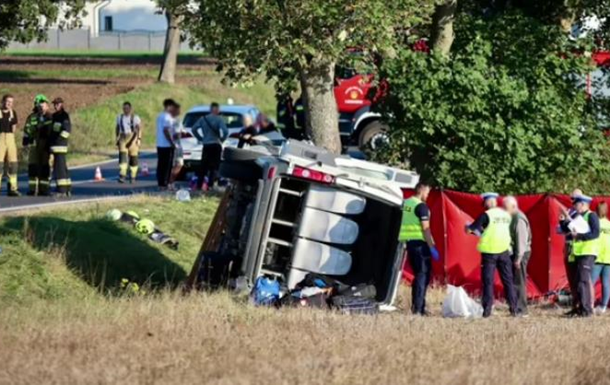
x,y
410,229
604,242
590,247
496,236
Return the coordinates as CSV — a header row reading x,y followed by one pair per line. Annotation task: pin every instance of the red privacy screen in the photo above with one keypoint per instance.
x,y
460,262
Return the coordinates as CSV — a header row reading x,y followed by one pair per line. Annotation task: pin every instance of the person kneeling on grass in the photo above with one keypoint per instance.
x,y
602,263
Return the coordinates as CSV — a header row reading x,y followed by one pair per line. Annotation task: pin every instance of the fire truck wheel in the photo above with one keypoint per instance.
x,y
372,136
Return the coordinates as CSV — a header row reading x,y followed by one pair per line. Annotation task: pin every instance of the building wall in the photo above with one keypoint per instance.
x,y
133,15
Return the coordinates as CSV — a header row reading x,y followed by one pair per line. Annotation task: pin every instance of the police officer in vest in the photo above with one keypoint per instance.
x,y
565,217
415,230
62,128
494,228
602,263
36,136
128,139
585,250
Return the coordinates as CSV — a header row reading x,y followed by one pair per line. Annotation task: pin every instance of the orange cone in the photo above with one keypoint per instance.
x,y
145,171
98,175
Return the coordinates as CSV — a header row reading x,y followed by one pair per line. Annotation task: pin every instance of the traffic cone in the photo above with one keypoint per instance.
x,y
145,171
98,175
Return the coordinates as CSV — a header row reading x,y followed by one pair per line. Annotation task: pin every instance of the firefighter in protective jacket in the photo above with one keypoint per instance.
x,y
36,136
59,147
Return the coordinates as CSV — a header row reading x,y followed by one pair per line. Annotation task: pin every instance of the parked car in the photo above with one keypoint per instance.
x,y
234,118
305,211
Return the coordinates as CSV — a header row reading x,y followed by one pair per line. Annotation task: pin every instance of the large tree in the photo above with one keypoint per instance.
x,y
174,11
301,41
505,111
27,20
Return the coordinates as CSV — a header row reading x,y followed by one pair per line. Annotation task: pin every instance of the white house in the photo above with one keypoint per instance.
x,y
123,16
111,25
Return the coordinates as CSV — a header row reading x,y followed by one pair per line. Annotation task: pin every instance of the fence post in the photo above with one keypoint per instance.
x,y
58,38
150,41
89,38
119,41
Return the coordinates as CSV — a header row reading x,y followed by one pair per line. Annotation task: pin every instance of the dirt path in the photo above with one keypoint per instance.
x,y
24,77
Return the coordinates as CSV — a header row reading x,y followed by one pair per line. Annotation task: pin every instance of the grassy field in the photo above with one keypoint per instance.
x,y
64,318
95,84
68,253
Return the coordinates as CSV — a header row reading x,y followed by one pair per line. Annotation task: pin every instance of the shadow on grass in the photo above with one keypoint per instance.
x,y
101,252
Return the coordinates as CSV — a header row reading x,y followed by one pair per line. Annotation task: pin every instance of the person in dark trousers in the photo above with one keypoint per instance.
x,y
494,227
165,142
565,217
211,131
521,237
300,122
62,128
36,134
585,250
286,115
602,263
415,230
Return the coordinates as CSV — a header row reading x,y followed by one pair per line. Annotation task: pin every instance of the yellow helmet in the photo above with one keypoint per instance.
x,y
145,226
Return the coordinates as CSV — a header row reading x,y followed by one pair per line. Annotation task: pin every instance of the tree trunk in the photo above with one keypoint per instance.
x,y
321,115
442,27
171,49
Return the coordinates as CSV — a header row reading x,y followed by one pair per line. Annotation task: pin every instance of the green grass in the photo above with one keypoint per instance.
x,y
77,253
96,124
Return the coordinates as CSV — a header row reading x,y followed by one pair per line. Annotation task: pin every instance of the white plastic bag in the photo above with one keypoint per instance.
x,y
183,195
458,304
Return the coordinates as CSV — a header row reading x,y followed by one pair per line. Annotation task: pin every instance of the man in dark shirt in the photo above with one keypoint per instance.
x,y
415,230
62,129
37,132
8,148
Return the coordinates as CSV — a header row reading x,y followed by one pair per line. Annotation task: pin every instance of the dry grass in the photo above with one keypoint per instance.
x,y
57,327
217,339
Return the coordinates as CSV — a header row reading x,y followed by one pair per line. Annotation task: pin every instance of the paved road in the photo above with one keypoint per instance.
x,y
85,187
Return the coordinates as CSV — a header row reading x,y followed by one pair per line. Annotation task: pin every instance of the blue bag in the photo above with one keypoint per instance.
x,y
266,292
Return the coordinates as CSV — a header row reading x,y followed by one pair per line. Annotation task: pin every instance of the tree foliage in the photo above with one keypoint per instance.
x,y
506,112
27,20
300,41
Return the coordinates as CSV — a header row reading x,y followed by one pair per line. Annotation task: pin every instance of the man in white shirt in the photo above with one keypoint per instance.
x,y
178,161
128,139
165,142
